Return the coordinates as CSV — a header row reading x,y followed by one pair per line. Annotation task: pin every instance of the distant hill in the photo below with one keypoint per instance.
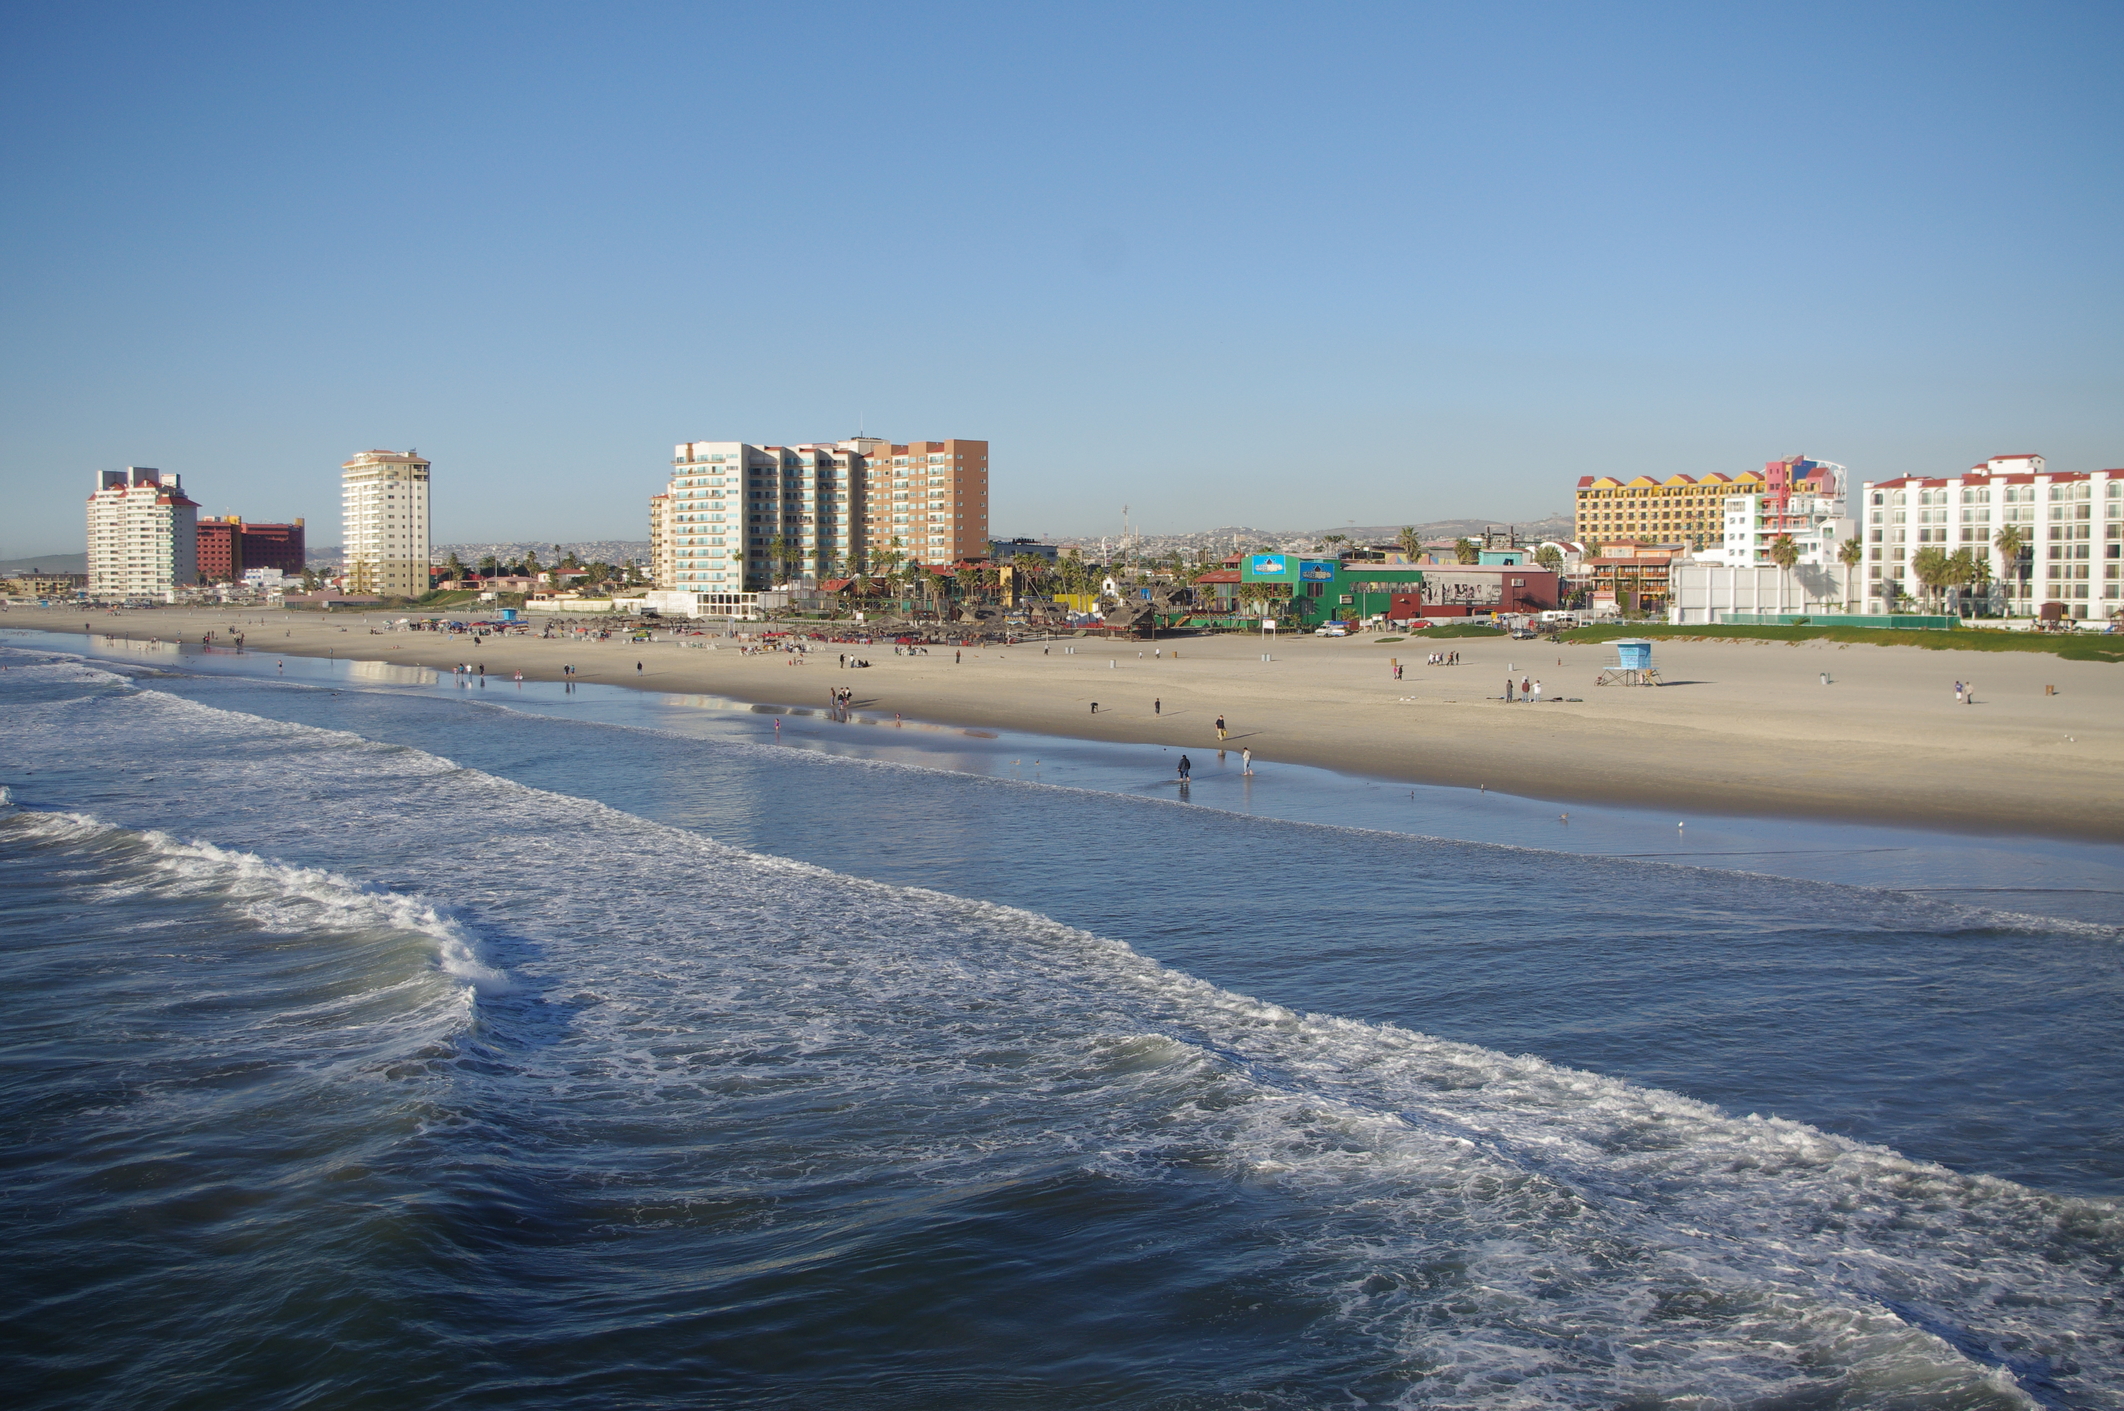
x,y
550,551
46,563
1233,537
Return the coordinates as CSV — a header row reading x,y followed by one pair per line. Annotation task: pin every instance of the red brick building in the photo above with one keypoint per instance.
x,y
228,547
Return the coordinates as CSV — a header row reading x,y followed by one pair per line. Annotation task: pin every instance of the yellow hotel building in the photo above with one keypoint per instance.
x,y
1678,510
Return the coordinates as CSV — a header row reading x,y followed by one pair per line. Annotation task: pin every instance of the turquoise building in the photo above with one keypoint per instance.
x,y
1322,590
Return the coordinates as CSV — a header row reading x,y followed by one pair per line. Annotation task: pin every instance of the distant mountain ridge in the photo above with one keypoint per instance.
x,y
46,563
1234,538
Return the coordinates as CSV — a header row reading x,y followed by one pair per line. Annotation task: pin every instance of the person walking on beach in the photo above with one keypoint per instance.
x,y
637,668
1246,760
1537,688
1220,727
1095,707
1508,690
955,658
1158,706
1185,765
1957,693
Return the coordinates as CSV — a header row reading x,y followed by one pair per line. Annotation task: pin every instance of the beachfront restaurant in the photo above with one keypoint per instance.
x,y
1321,589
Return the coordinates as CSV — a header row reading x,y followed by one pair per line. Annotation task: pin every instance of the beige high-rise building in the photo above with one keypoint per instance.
x,y
663,570
383,498
739,517
143,535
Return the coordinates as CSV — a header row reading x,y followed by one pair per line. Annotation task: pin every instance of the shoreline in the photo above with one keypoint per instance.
x,y
1744,729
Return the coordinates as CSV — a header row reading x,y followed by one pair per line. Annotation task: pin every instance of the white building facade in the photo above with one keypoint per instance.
x,y
1752,523
2070,524
1701,591
143,535
383,506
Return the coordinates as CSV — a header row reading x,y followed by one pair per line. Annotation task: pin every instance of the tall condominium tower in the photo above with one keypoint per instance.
x,y
928,500
383,499
740,517
143,535
663,572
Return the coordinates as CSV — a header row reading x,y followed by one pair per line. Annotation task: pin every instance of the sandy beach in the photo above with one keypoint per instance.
x,y
1745,728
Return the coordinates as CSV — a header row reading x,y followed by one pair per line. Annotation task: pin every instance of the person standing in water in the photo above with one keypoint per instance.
x,y
1185,766
1246,760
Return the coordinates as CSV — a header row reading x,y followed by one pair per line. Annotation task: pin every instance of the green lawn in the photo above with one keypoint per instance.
x,y
2082,646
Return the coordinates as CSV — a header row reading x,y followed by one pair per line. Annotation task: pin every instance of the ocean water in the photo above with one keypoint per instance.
x,y
371,1042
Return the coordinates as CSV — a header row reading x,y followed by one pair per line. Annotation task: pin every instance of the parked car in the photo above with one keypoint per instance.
x,y
1333,629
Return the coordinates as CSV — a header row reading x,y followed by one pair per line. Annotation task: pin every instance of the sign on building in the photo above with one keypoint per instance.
x,y
1443,587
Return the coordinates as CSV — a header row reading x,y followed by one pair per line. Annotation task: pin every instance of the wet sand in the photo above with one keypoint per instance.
x,y
1744,728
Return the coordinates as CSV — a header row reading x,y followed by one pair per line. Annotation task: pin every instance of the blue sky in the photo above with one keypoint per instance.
x,y
1285,266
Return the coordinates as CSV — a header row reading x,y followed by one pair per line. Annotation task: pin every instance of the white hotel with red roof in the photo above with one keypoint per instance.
x,y
2071,525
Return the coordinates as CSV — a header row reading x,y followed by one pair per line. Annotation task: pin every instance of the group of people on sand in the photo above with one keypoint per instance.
x,y
841,697
1443,659
849,663
1529,689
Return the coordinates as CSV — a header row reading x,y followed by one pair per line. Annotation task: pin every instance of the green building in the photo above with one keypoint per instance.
x,y
1320,590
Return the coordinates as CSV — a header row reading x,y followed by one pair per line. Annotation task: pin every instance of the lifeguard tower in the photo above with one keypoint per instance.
x,y
1633,664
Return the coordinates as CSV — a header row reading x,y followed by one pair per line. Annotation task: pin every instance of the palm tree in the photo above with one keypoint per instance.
x,y
2009,543
1930,567
1851,553
1784,553
1328,542
1411,542
1466,550
1962,571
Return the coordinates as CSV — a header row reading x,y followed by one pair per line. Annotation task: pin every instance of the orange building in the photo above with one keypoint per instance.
x,y
928,499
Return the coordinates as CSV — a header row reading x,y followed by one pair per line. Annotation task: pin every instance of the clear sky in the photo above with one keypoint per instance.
x,y
1286,266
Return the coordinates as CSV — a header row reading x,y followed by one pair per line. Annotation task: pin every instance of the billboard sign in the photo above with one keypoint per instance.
x,y
1317,571
1268,565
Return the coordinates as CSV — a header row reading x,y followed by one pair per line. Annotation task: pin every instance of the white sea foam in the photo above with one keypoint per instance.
x,y
1511,1232
282,896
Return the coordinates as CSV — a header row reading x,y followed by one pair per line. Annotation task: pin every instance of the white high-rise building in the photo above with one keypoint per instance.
x,y
383,501
2070,528
143,535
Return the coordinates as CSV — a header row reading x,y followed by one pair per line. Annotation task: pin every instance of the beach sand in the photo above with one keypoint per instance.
x,y
1740,728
